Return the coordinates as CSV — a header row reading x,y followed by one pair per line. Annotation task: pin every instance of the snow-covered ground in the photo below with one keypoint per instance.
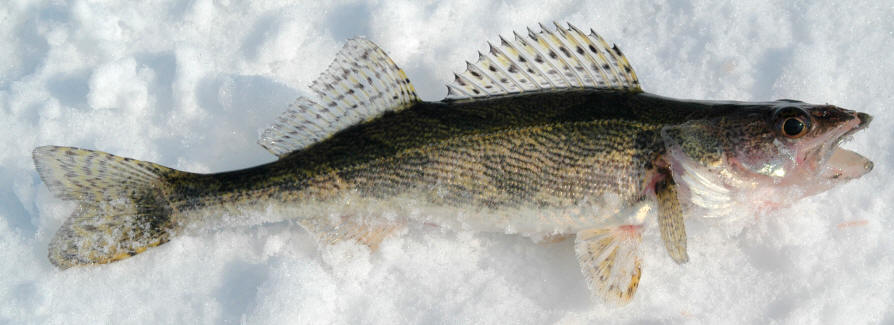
x,y
190,83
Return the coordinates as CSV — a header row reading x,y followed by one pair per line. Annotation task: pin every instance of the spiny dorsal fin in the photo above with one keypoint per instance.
x,y
360,84
562,59
610,261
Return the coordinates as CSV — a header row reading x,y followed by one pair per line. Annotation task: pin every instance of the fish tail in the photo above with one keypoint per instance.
x,y
123,204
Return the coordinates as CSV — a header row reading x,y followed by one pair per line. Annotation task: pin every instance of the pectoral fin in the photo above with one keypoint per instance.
x,y
670,220
610,259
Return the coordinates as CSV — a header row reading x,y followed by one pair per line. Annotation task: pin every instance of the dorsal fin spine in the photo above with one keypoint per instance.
x,y
530,49
619,58
546,40
498,74
570,44
497,53
629,70
568,67
593,60
451,89
601,58
579,55
523,66
604,44
482,73
473,83
542,42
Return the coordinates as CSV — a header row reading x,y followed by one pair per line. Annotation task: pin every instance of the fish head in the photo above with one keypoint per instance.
x,y
769,155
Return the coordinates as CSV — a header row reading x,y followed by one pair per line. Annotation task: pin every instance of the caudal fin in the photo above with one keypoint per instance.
x,y
122,211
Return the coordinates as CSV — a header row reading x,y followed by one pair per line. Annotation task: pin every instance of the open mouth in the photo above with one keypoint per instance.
x,y
845,164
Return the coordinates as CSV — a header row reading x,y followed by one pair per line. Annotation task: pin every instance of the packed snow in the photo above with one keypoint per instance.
x,y
191,83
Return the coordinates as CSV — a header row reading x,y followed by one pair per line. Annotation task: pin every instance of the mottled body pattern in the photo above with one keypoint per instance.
x,y
546,135
487,154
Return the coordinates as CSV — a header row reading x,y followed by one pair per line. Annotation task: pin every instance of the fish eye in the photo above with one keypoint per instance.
x,y
792,122
793,127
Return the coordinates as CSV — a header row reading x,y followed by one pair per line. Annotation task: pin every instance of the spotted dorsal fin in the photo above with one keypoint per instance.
x,y
562,59
360,84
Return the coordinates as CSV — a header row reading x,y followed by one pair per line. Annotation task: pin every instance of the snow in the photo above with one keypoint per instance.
x,y
190,84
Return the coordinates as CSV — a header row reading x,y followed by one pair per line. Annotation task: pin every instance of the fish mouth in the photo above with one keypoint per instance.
x,y
843,164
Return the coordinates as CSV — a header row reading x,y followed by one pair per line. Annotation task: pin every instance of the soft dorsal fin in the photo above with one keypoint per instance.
x,y
360,84
562,59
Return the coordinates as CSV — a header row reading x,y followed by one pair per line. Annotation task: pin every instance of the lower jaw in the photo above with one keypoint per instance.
x,y
845,164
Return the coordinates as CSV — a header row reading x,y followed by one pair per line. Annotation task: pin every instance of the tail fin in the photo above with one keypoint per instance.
x,y
123,206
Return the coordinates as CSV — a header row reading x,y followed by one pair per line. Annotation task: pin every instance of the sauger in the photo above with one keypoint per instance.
x,y
548,135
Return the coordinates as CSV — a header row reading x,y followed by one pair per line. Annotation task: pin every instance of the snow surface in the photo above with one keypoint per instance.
x,y
190,84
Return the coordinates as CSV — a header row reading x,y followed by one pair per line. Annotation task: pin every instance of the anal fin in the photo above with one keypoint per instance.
x,y
611,262
330,232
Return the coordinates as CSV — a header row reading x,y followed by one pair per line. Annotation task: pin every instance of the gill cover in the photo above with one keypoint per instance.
x,y
695,155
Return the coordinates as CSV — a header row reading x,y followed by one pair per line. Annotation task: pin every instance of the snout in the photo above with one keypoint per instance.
x,y
864,120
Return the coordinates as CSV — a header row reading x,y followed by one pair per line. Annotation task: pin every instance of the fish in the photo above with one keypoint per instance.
x,y
547,135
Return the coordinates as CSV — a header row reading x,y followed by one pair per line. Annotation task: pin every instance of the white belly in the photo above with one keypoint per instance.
x,y
601,212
